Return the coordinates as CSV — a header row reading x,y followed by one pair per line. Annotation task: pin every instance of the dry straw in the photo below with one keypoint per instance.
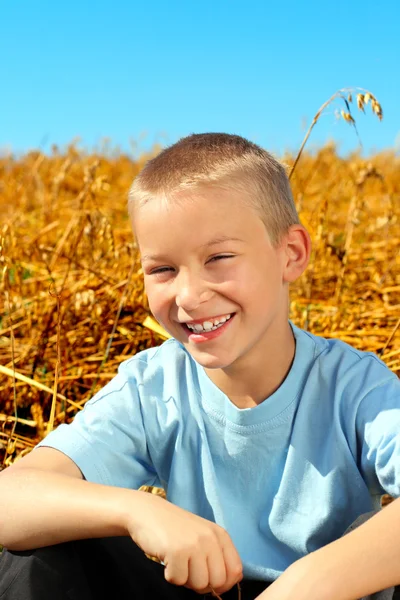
x,y
74,304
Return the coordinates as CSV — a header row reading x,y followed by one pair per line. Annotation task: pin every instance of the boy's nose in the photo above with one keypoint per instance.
x,y
190,292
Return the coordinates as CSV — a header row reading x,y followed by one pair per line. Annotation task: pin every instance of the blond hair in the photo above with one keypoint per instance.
x,y
219,160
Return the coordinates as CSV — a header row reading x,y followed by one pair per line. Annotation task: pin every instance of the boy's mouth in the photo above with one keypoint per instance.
x,y
207,329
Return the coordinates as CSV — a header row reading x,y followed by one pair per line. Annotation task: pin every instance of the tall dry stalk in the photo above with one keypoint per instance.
x,y
363,97
50,424
346,94
10,445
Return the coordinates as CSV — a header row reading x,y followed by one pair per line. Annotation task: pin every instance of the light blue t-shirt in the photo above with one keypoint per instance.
x,y
283,478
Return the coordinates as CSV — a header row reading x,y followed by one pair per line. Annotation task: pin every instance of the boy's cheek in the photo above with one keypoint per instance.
x,y
153,299
159,311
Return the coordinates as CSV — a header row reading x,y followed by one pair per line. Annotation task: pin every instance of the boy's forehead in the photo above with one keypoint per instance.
x,y
204,201
214,192
193,220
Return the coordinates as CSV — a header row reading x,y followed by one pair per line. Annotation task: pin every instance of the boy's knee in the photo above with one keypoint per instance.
x,y
25,573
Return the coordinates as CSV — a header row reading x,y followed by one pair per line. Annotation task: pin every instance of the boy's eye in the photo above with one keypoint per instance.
x,y
221,256
160,270
165,269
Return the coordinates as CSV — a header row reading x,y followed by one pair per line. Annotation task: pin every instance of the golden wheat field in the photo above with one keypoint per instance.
x,y
72,304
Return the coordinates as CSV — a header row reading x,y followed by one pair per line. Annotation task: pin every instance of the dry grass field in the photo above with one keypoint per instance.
x,y
72,303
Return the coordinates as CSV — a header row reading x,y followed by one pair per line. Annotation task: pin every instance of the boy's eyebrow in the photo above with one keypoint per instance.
x,y
219,240
214,242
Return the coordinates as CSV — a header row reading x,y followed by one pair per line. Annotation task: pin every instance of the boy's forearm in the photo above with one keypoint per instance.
x,y
362,562
41,508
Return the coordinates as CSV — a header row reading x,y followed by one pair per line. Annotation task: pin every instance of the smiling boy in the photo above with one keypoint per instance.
x,y
218,262
269,441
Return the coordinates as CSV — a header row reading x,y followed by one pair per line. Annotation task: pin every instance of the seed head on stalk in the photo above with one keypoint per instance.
x,y
345,94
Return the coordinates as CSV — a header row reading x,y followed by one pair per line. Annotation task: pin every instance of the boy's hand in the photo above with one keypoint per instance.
x,y
197,553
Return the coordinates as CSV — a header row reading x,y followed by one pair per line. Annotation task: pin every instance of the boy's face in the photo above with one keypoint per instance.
x,y
191,274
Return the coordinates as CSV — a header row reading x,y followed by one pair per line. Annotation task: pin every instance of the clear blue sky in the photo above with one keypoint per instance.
x,y
158,70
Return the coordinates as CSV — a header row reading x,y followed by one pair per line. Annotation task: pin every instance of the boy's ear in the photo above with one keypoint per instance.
x,y
297,251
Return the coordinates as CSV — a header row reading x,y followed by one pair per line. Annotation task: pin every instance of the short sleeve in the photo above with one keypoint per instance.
x,y
378,435
107,439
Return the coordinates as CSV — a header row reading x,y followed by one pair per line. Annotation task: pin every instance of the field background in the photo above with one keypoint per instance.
x,y
72,304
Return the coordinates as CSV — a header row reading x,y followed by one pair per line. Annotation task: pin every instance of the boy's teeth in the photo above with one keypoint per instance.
x,y
208,325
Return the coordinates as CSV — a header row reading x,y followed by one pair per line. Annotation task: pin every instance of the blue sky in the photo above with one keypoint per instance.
x,y
155,71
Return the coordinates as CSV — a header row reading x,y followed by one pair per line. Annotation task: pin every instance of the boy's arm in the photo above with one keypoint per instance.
x,y
362,562
41,508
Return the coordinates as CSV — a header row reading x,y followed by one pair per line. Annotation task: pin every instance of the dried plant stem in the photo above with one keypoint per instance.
x,y
43,338
120,307
314,121
346,115
9,449
74,222
390,338
352,215
215,595
50,423
319,240
36,384
10,419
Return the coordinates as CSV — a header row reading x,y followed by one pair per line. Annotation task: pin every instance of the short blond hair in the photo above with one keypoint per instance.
x,y
220,160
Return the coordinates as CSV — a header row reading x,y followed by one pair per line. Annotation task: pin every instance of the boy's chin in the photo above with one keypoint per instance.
x,y
207,360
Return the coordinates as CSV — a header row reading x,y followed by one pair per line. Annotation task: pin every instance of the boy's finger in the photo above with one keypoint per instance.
x,y
217,572
198,578
176,570
233,565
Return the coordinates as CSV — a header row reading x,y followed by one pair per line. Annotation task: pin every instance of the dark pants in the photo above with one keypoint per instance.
x,y
95,569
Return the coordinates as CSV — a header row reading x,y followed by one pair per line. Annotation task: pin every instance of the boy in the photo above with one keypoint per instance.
x,y
270,441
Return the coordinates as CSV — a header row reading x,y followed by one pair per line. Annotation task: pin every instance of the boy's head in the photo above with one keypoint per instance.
x,y
224,161
219,240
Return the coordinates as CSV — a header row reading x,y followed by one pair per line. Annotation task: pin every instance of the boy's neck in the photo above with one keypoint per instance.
x,y
247,386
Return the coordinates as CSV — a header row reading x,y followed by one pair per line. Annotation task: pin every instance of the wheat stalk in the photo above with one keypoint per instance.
x,y
346,94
